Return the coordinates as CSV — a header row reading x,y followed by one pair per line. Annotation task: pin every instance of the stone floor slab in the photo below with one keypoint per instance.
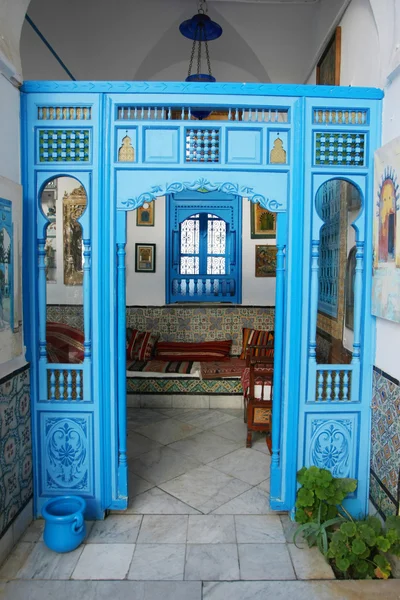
x,y
16,560
163,529
259,529
102,590
104,561
43,563
158,502
234,430
168,431
309,563
161,465
265,561
211,529
244,464
138,417
158,562
205,488
115,529
137,485
253,502
205,562
138,444
34,531
207,419
205,446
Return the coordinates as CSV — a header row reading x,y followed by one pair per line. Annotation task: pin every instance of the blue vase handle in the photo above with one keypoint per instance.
x,y
77,524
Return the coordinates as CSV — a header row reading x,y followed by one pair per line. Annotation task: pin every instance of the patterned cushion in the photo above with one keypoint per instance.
x,y
140,344
199,351
257,337
64,343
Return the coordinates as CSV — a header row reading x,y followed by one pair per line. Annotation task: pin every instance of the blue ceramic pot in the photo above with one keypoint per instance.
x,y
65,526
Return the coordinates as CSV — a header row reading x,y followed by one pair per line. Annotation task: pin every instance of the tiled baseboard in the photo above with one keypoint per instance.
x,y
182,401
15,531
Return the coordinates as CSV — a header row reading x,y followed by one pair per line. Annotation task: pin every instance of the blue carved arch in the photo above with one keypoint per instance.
x,y
202,184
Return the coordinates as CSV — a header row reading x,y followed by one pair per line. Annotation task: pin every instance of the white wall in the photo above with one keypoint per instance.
x,y
149,288
370,55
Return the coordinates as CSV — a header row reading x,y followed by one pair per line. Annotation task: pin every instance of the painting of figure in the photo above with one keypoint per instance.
x,y
386,272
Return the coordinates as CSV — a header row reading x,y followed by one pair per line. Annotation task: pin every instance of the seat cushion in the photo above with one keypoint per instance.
x,y
140,344
64,343
253,337
199,351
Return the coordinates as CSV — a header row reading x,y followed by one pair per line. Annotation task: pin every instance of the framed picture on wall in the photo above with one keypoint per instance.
x,y
145,215
145,258
263,222
328,67
265,261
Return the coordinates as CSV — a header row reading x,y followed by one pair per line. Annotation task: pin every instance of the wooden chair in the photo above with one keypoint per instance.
x,y
257,382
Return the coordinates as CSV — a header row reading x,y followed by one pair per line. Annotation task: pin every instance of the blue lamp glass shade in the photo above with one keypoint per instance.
x,y
190,28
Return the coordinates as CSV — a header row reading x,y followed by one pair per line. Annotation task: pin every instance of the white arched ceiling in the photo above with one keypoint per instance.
x,y
230,49
139,39
12,15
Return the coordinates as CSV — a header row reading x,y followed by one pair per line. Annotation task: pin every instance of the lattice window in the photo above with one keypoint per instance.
x,y
64,113
202,145
334,116
340,149
64,145
203,245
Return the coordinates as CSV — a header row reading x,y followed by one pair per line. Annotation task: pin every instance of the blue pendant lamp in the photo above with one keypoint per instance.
x,y
201,30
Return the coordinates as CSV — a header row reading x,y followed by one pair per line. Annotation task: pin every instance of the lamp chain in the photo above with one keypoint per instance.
x,y
202,7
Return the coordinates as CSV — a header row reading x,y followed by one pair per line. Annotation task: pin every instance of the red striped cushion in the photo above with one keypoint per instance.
x,y
64,343
260,338
140,344
199,351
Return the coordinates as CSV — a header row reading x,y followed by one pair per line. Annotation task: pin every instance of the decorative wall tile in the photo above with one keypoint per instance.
x,y
64,145
385,448
66,453
15,447
145,385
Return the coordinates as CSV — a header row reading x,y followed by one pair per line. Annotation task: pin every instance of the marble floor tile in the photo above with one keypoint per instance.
x,y
259,529
16,560
192,590
211,562
259,443
163,529
115,529
204,488
234,412
168,431
104,561
309,563
209,419
162,465
244,464
43,563
253,502
235,430
158,502
138,444
211,529
289,529
204,446
265,485
173,413
138,417
137,485
158,562
265,561
34,531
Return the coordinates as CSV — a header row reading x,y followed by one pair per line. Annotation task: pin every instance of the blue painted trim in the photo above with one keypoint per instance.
x,y
46,43
184,88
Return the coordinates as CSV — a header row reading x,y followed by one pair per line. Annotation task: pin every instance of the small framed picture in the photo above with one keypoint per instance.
x,y
265,261
263,222
145,258
145,215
